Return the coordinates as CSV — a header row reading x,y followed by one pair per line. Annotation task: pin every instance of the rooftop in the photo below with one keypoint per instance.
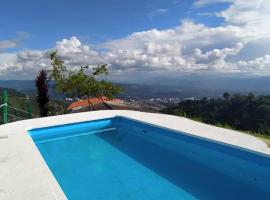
x,y
84,103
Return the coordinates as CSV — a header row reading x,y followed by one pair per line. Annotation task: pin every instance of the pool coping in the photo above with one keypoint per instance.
x,y
25,175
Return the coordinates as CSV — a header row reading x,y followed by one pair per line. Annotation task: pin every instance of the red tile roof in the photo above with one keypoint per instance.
x,y
84,103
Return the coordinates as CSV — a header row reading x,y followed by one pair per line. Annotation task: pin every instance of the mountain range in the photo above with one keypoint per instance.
x,y
178,88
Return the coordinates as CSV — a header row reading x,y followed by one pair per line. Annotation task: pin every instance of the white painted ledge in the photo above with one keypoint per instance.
x,y
25,175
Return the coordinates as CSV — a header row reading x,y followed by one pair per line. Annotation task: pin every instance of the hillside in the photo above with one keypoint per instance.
x,y
242,112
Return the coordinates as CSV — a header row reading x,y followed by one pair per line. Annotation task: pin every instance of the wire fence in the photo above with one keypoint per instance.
x,y
14,108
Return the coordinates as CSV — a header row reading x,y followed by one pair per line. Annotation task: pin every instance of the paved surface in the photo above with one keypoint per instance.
x,y
25,175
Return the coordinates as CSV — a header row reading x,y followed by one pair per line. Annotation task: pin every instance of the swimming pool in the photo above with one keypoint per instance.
x,y
119,158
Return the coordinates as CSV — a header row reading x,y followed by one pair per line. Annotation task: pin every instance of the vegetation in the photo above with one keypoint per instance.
x,y
42,93
242,112
83,82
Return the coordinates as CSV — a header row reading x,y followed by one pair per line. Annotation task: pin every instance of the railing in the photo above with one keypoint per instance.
x,y
11,113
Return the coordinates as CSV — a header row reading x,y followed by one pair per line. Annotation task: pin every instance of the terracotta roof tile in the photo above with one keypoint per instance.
x,y
84,103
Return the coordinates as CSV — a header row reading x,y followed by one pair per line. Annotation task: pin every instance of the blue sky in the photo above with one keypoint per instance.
x,y
45,22
199,36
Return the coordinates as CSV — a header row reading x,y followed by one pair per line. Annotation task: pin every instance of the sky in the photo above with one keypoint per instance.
x,y
139,39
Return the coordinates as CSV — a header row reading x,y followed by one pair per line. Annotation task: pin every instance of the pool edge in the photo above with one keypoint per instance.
x,y
30,176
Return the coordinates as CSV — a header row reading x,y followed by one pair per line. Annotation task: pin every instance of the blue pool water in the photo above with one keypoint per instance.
x,y
123,159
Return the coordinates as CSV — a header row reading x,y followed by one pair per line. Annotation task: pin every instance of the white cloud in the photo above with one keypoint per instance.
x,y
157,12
253,16
75,53
7,44
177,49
189,47
215,59
14,42
6,62
247,12
26,62
259,65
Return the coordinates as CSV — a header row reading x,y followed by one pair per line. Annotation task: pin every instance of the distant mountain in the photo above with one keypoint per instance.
x,y
199,87
19,85
27,87
178,88
130,90
160,91
232,84
11,92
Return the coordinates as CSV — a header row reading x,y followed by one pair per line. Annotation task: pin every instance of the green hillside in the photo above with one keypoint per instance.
x,y
248,113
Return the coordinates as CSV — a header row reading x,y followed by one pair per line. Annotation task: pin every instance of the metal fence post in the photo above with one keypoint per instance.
x,y
62,109
29,107
5,107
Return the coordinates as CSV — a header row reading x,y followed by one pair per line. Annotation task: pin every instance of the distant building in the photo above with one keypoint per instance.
x,y
190,98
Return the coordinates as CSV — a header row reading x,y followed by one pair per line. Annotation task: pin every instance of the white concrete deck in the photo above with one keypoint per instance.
x,y
25,175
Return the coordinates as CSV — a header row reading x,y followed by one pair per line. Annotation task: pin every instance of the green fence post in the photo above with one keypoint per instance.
x,y
5,107
29,107
62,109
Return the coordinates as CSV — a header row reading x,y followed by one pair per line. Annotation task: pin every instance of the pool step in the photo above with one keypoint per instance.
x,y
74,135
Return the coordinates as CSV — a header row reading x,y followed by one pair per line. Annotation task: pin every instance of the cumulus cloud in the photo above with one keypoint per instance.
x,y
27,62
246,12
261,64
30,61
178,49
253,16
189,47
75,53
216,55
7,62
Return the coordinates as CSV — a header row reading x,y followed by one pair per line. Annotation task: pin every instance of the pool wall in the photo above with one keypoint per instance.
x,y
243,164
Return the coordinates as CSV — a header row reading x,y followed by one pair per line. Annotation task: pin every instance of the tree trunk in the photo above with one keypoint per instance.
x,y
105,104
90,104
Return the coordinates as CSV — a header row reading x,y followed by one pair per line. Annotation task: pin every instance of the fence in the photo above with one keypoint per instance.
x,y
11,111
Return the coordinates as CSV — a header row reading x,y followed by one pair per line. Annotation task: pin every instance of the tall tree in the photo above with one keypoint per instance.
x,y
84,82
226,96
42,93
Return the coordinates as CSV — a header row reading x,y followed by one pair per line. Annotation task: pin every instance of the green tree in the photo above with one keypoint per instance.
x,y
226,96
251,96
42,93
84,82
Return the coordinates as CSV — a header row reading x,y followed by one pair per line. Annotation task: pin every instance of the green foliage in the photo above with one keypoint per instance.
x,y
41,83
83,82
226,96
241,112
